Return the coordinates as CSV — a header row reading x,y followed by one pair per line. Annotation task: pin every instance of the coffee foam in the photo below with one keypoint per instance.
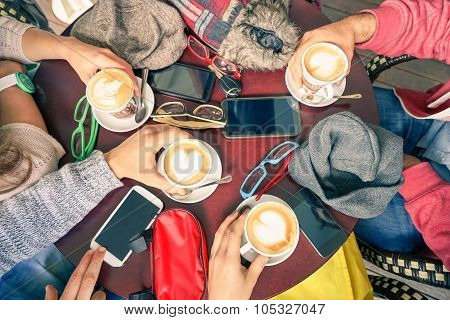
x,y
187,163
271,228
110,89
324,63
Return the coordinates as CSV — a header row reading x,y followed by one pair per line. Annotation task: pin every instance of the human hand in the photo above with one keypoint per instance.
x,y
135,157
86,59
344,33
409,161
82,282
228,279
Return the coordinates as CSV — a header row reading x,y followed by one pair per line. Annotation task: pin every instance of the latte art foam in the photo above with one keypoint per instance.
x,y
187,163
271,228
110,89
324,62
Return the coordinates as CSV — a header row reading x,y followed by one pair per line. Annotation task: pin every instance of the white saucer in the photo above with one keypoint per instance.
x,y
111,123
77,8
251,202
299,93
203,193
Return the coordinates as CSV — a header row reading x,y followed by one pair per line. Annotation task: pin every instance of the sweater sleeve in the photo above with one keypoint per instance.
x,y
417,27
11,32
427,200
45,212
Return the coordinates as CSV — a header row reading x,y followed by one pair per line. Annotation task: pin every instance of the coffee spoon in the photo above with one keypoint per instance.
x,y
189,191
311,97
141,109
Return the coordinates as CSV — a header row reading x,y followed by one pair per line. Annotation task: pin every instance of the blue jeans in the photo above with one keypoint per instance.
x,y
393,230
27,280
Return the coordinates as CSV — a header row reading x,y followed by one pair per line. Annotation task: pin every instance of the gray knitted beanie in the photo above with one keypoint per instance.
x,y
354,167
146,33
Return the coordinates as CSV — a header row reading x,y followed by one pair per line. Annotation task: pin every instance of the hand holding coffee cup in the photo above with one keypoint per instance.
x,y
228,279
111,91
272,230
135,158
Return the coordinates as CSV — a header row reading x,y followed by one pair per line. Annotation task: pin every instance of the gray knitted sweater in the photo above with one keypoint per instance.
x,y
45,212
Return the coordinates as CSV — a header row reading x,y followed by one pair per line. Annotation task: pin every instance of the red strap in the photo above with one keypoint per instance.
x,y
279,175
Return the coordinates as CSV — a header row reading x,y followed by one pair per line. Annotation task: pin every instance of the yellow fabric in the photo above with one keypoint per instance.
x,y
343,277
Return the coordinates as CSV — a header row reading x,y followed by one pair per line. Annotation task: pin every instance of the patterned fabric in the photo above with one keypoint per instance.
x,y
428,271
393,289
211,20
45,212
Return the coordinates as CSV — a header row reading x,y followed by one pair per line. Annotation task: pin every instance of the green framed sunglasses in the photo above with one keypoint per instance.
x,y
81,149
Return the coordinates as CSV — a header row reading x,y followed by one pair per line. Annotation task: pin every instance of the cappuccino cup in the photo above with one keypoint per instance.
x,y
186,163
111,91
323,65
272,230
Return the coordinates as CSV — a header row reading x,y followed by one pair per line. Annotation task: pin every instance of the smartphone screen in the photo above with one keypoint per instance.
x,y
316,223
132,217
272,116
184,81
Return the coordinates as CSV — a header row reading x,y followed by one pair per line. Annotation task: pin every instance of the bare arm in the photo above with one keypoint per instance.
x,y
17,106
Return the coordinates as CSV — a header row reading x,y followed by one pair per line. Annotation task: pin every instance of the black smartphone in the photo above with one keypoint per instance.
x,y
316,223
135,213
261,117
184,81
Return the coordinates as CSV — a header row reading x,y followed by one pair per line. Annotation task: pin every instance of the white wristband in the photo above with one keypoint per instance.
x,y
8,81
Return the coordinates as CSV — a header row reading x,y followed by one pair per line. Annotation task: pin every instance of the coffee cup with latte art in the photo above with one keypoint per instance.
x,y
186,163
323,65
271,230
111,91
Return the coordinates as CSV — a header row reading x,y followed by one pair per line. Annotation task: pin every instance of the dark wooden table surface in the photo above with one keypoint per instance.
x,y
58,90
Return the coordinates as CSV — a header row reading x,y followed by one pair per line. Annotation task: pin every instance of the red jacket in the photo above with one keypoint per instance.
x,y
420,28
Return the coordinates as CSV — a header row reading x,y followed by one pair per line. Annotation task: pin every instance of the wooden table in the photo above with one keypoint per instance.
x,y
58,90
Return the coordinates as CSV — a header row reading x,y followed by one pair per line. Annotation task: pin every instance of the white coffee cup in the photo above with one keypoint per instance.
x,y
185,168
331,75
249,251
111,91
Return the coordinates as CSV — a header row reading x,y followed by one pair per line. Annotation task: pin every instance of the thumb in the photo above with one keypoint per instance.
x,y
157,180
255,270
99,295
51,293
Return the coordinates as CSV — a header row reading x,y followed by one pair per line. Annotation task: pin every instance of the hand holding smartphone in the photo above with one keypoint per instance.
x,y
134,214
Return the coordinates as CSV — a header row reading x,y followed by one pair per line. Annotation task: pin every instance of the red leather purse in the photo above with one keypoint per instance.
x,y
178,255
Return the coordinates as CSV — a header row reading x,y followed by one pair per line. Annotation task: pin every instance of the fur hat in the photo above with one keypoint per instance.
x,y
257,34
146,33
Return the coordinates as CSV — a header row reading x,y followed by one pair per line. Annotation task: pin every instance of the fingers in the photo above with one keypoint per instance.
x,y
295,67
170,135
125,66
255,270
83,279
91,275
72,287
221,231
51,293
99,295
234,240
157,180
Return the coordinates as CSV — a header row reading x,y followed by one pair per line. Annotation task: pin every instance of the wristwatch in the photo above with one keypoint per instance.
x,y
20,79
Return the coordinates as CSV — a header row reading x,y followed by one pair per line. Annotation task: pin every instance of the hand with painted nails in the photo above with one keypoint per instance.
x,y
228,279
82,282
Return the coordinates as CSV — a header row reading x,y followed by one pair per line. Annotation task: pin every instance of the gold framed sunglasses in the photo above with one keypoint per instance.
x,y
204,116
